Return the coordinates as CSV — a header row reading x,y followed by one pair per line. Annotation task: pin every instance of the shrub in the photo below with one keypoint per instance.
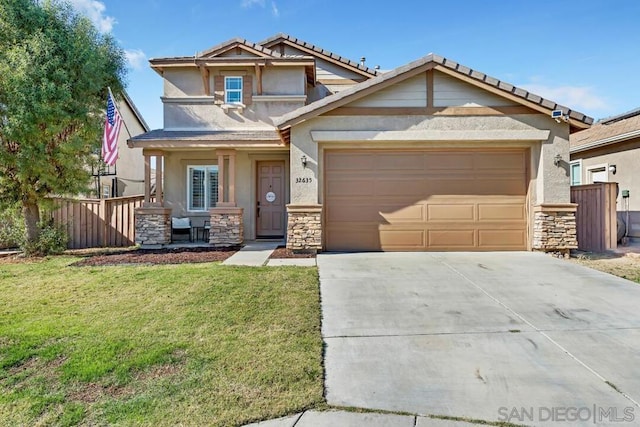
x,y
11,227
53,240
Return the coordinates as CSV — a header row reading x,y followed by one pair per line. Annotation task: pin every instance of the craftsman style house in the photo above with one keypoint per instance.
x,y
285,139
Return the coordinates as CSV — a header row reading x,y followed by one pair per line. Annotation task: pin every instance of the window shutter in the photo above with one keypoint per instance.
x,y
218,89
247,89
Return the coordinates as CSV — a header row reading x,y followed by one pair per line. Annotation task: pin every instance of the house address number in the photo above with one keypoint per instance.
x,y
304,180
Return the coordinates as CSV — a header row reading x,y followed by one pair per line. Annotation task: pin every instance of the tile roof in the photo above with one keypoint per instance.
x,y
207,135
342,97
321,51
610,130
240,41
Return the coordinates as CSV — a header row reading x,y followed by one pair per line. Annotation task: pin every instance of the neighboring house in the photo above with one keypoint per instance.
x,y
126,178
285,139
610,152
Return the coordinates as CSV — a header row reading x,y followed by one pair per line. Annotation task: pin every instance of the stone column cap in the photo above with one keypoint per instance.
x,y
153,210
303,208
556,207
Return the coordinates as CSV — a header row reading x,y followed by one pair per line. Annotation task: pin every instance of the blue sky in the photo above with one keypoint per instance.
x,y
582,54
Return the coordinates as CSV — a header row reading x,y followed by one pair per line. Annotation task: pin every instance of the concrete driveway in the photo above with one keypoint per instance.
x,y
519,337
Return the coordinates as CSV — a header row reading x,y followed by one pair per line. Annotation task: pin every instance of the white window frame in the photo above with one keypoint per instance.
x,y
228,91
207,193
571,164
597,168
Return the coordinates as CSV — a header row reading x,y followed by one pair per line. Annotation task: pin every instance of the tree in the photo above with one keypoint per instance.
x,y
55,68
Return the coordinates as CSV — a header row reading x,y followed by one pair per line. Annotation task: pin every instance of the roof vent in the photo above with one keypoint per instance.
x,y
362,61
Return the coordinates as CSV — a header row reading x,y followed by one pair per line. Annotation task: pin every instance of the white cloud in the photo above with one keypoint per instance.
x,y
247,4
135,58
95,11
575,97
250,3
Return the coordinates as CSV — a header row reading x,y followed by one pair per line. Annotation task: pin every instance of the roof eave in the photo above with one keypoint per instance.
x,y
605,142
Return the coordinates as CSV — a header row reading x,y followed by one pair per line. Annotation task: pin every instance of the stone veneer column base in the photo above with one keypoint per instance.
x,y
554,228
304,228
153,226
226,227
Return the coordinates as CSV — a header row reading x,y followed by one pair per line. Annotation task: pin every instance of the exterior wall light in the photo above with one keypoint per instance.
x,y
557,159
303,159
613,169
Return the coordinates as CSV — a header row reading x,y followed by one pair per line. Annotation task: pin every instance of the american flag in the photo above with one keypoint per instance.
x,y
111,132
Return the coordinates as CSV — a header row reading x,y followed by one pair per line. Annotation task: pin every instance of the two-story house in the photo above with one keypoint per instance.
x,y
285,139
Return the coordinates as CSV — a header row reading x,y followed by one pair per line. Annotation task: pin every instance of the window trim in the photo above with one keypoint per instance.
x,y
571,164
602,167
239,91
207,194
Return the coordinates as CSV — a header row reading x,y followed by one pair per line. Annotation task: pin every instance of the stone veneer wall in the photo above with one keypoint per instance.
x,y
554,229
226,227
153,226
304,228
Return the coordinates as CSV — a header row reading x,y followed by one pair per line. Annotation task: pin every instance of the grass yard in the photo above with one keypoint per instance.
x,y
190,344
621,265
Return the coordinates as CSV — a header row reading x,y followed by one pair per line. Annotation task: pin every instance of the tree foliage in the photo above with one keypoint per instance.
x,y
55,68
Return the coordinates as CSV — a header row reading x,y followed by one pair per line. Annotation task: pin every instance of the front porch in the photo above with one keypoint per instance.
x,y
220,226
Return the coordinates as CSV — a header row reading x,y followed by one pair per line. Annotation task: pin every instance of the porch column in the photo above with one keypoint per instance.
x,y
147,179
226,178
153,220
159,157
226,218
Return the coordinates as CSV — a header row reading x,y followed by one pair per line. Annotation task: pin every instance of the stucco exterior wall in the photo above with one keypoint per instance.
x,y
187,108
175,190
626,157
549,183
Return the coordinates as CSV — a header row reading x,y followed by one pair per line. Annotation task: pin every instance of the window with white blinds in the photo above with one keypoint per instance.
x,y
202,187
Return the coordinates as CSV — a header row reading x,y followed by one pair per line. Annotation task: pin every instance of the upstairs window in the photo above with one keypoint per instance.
x,y
202,187
233,90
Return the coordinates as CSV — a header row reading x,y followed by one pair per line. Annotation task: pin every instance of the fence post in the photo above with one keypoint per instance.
x,y
103,220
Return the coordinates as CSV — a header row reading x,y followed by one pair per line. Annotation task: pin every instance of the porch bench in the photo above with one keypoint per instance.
x,y
181,226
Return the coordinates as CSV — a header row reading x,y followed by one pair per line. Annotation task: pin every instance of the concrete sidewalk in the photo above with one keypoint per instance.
x,y
257,254
357,419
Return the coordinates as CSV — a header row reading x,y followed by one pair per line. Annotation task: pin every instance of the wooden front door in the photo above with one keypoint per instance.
x,y
270,199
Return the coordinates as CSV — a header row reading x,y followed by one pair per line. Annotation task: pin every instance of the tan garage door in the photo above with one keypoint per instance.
x,y
463,200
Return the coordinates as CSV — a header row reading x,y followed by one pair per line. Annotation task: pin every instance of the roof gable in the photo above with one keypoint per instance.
x,y
318,52
431,62
240,44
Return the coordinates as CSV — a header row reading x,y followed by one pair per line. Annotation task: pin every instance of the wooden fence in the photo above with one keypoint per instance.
x,y
596,219
92,223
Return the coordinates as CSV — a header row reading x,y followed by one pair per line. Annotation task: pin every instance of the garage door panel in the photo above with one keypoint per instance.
x,y
395,187
350,161
500,211
451,212
402,239
350,187
454,160
507,239
400,161
459,200
504,161
448,239
375,214
353,238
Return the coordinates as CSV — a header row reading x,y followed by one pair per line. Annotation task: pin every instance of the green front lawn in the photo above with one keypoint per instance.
x,y
191,344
